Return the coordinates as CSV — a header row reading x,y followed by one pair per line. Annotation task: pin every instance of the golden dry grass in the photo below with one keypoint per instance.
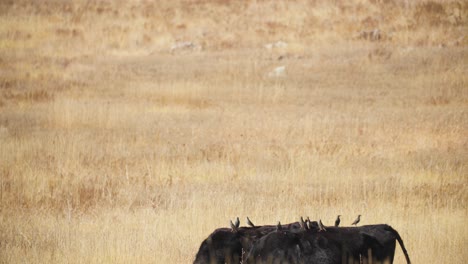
x,y
115,150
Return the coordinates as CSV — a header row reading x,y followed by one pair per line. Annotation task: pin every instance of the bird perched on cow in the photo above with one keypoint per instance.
x,y
357,220
279,227
337,221
303,224
308,223
233,226
250,222
321,226
312,225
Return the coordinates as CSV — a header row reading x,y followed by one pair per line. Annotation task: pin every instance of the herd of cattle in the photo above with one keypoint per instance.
x,y
300,242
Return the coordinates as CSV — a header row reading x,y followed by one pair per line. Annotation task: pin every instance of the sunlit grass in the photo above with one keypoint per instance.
x,y
115,150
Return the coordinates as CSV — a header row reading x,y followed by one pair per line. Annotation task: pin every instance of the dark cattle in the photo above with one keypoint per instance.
x,y
293,244
277,247
305,246
334,246
227,245
381,239
224,246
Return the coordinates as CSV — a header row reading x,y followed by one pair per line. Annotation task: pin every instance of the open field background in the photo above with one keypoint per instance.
x,y
115,149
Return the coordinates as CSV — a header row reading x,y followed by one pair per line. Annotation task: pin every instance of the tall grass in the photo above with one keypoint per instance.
x,y
115,150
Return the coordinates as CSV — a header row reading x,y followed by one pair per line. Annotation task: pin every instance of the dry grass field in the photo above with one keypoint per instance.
x,y
117,148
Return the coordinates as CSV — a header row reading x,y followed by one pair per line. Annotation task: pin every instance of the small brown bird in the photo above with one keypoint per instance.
x,y
237,223
321,226
233,226
303,224
357,220
250,222
279,227
337,221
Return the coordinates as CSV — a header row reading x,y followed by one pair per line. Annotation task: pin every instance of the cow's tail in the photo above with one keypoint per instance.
x,y
402,245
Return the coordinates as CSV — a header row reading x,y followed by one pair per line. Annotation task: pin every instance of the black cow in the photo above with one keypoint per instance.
x,y
294,248
334,246
381,239
226,245
277,247
293,244
223,246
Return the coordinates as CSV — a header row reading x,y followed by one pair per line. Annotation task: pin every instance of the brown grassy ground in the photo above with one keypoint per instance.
x,y
115,150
